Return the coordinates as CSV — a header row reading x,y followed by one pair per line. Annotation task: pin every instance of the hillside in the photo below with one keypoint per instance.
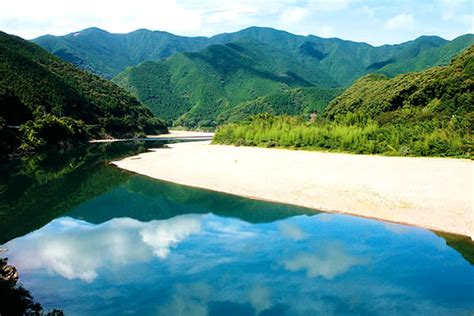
x,y
436,93
108,54
53,102
193,89
427,113
290,102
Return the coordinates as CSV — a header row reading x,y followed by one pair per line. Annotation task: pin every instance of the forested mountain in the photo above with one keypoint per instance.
x,y
436,93
427,113
108,54
197,81
296,101
44,100
194,88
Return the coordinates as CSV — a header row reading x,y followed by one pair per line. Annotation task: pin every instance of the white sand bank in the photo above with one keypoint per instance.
x,y
433,193
172,135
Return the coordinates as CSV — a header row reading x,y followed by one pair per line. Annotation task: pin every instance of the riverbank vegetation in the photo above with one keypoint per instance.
x,y
428,113
350,133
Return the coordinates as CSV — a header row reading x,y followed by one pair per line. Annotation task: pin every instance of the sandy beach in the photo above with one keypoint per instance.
x,y
433,193
171,135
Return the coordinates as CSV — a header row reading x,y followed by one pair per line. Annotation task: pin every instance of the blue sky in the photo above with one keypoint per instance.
x,y
373,21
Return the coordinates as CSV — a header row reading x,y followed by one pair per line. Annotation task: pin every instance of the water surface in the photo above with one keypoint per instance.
x,y
91,239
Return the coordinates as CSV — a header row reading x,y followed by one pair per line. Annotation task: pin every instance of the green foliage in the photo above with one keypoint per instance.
x,y
439,92
194,89
45,95
50,129
430,113
349,133
201,86
291,102
341,61
67,177
254,71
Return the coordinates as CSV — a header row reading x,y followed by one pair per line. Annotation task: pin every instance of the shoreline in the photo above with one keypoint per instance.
x,y
171,135
435,194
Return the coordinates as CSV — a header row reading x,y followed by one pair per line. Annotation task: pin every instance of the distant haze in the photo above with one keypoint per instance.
x,y
374,22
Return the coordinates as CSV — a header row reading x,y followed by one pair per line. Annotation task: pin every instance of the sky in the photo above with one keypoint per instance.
x,y
376,22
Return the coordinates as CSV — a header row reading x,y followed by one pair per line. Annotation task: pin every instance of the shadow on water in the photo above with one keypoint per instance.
x,y
146,199
36,189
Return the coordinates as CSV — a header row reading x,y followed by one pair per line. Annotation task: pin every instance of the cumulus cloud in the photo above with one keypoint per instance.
x,y
400,21
33,18
353,20
329,263
293,15
291,231
77,250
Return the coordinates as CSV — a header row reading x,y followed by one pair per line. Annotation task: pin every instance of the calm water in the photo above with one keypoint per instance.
x,y
93,240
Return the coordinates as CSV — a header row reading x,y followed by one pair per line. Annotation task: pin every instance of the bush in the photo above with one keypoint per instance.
x,y
50,129
353,133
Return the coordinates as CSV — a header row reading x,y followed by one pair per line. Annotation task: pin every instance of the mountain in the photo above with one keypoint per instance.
x,y
296,101
196,89
192,89
193,82
436,93
108,54
426,113
44,100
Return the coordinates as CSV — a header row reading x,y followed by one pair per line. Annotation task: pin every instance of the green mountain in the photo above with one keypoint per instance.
x,y
108,54
426,113
436,93
44,100
296,101
192,89
197,82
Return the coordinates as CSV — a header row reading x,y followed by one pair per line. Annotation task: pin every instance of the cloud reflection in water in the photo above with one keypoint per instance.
x,y
76,249
329,262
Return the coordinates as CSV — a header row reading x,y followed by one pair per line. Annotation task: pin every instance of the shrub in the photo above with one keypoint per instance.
x,y
50,129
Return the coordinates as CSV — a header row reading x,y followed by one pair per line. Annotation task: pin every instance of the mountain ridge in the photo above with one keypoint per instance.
x,y
155,45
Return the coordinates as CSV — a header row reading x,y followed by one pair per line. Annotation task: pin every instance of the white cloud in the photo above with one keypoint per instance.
x,y
328,6
189,299
451,9
331,262
326,31
291,231
63,247
59,17
293,16
400,21
370,21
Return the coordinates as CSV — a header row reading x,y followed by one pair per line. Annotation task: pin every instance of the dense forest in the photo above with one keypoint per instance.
x,y
108,54
44,100
199,82
192,89
306,100
427,113
202,89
